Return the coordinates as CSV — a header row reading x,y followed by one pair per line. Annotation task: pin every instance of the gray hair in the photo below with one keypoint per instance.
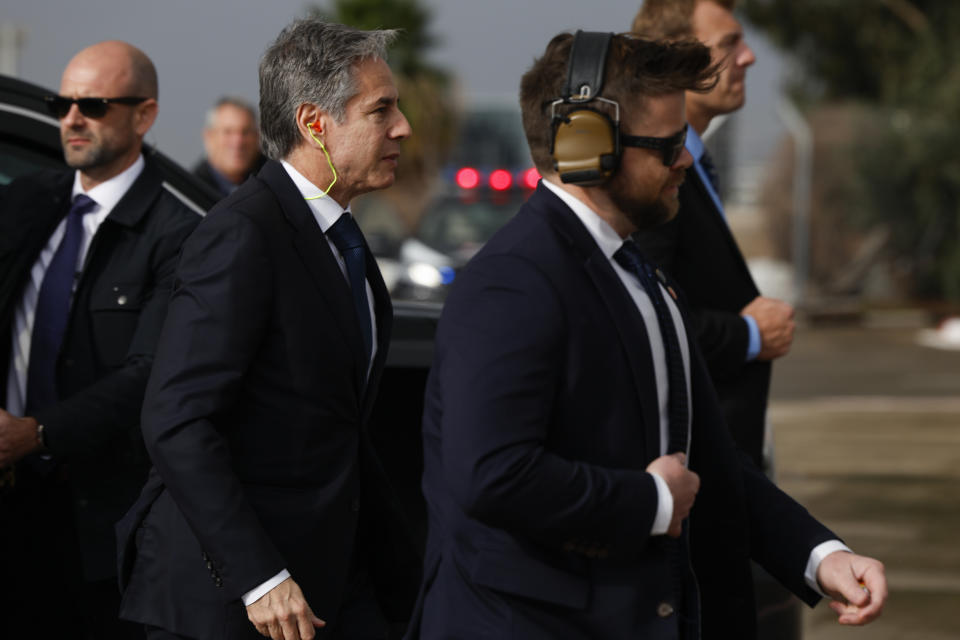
x,y
232,101
311,62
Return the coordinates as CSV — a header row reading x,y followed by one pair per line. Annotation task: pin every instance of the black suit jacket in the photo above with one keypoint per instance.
x,y
699,251
541,417
255,420
115,319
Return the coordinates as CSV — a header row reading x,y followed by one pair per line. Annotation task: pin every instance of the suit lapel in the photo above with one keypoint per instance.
x,y
384,316
623,312
716,220
135,204
315,253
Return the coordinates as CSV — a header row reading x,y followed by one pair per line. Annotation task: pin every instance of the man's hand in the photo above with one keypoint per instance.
x,y
775,322
683,485
18,437
283,614
857,585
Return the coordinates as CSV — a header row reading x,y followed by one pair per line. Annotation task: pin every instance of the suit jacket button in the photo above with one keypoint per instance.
x,y
122,300
664,610
218,582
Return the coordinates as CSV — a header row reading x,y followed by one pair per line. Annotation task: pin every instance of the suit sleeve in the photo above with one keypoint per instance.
x,y
781,532
81,425
502,342
217,317
723,337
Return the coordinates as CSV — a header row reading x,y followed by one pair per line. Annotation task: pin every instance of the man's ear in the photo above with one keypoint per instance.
x,y
311,121
144,116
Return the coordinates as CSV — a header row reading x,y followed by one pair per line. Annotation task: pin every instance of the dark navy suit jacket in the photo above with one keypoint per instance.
x,y
255,419
699,251
541,417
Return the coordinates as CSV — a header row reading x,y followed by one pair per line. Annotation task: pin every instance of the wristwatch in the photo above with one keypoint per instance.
x,y
40,439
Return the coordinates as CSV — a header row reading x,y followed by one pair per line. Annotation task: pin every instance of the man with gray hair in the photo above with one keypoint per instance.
x,y
266,501
231,143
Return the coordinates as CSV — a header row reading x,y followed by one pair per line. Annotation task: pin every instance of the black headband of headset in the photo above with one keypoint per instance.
x,y
588,59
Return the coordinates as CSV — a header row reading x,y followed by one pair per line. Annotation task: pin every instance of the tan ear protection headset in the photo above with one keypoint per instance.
x,y
586,142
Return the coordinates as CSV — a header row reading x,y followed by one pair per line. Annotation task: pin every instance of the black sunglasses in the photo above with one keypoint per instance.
x,y
670,147
59,106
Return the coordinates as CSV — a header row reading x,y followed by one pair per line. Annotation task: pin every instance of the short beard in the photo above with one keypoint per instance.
x,y
92,158
643,214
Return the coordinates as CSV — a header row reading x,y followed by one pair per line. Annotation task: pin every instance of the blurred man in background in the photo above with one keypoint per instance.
x,y
86,269
739,331
231,140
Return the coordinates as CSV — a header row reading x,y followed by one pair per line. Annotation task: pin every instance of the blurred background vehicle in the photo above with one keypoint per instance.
x,y
488,176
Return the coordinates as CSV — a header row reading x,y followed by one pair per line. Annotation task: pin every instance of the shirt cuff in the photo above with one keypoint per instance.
x,y
664,506
753,344
255,594
820,552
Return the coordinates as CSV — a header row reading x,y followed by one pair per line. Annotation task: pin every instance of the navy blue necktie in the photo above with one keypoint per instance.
x,y
53,310
348,239
632,259
711,170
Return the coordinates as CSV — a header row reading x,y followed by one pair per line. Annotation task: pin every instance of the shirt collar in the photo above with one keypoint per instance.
x,y
694,144
325,209
602,233
109,192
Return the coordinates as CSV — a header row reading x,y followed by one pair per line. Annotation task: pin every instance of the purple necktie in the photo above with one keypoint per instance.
x,y
53,310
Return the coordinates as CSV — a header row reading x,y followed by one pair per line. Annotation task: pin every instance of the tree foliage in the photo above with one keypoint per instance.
x,y
902,58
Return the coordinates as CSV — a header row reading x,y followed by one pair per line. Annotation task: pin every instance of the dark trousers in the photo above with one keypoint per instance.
x,y
42,590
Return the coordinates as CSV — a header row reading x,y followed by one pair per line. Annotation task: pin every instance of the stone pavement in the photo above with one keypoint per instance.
x,y
867,436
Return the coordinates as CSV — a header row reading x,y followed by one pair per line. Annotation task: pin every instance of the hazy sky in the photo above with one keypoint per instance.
x,y
206,48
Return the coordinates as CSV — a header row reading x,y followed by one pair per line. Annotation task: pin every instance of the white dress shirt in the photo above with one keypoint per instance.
x,y
609,242
326,211
106,195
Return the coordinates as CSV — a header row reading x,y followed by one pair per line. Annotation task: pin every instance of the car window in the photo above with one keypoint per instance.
x,y
17,160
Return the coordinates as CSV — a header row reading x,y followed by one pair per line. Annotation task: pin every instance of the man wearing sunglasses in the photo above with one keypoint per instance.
x,y
570,427
86,268
740,331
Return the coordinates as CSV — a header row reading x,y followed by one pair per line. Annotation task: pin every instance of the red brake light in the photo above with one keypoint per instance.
x,y
531,177
468,178
500,180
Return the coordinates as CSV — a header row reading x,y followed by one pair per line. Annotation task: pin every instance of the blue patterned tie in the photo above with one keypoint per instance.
x,y
632,259
53,310
348,239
